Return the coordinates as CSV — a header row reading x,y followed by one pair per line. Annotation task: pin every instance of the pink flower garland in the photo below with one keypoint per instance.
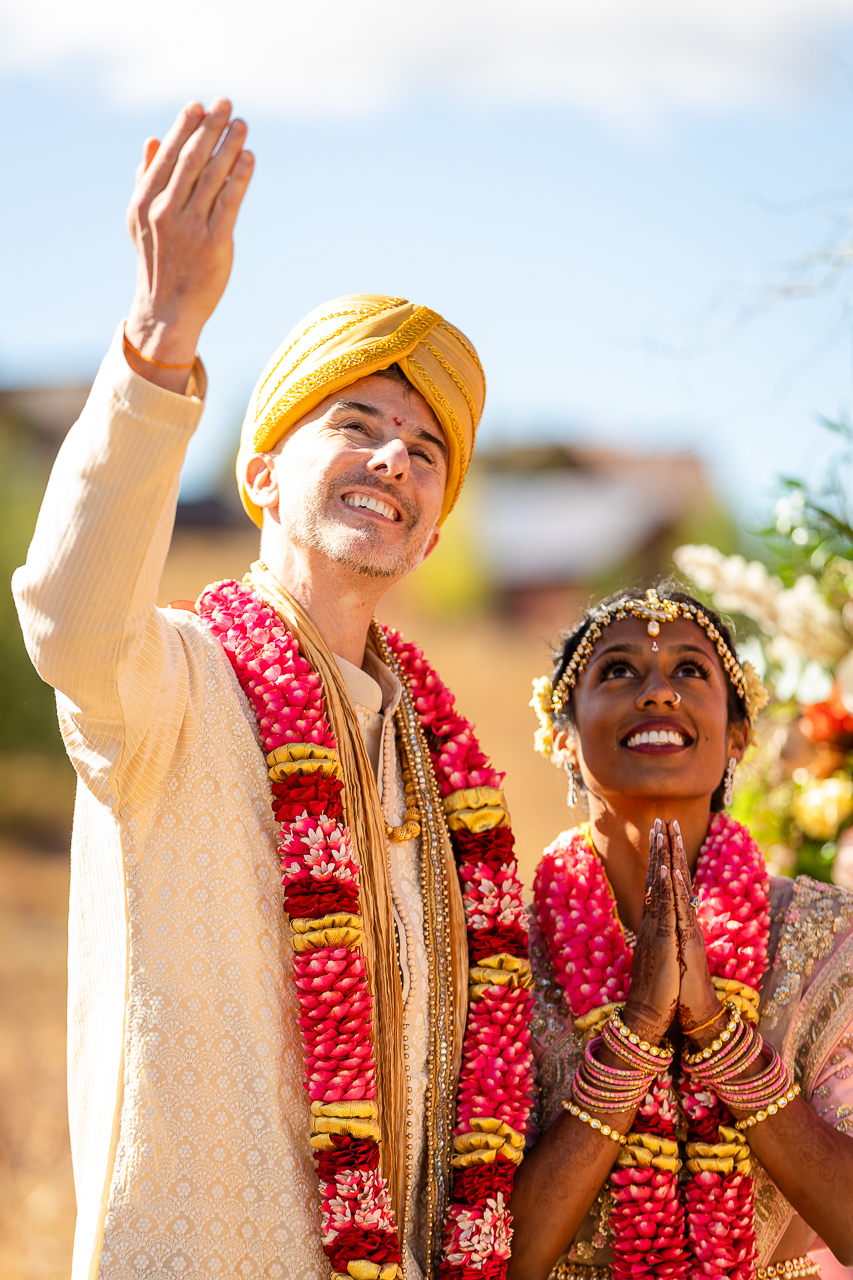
x,y
710,1234
496,1080
321,883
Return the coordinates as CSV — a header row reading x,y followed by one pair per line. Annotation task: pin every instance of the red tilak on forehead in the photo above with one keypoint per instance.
x,y
398,422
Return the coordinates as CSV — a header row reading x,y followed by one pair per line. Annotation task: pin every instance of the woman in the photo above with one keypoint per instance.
x,y
678,1138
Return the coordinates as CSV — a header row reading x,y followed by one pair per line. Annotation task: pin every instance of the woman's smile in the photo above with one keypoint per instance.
x,y
657,737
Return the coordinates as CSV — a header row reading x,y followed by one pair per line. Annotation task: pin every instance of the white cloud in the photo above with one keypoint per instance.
x,y
629,58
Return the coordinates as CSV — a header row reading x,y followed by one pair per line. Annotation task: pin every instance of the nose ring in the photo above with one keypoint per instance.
x,y
676,698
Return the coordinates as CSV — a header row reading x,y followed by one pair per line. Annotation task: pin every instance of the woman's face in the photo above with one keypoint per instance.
x,y
651,714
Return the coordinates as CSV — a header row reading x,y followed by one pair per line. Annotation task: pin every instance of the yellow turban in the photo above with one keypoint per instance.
x,y
350,338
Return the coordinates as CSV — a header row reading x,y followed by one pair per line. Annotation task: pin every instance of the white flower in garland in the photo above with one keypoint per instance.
x,y
482,1234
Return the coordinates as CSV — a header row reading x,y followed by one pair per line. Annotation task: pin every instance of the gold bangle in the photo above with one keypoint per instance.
x,y
691,1059
594,1123
148,360
664,1050
766,1112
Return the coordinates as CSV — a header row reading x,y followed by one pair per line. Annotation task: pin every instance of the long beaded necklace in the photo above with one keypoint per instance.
x,y
655,1230
447,771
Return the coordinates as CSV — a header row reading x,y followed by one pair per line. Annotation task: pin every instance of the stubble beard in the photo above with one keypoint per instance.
x,y
361,551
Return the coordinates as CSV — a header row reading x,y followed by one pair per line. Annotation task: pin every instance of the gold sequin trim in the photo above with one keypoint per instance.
x,y
448,368
452,420
395,344
361,313
335,315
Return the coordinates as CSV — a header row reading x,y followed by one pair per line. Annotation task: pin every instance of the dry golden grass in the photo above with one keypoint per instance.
x,y
36,1194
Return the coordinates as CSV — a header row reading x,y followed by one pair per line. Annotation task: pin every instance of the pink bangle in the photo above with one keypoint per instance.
x,y
627,1076
595,1101
605,1088
627,1045
733,1059
770,1110
760,1090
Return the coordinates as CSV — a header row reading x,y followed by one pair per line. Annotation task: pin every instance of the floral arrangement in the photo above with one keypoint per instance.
x,y
661,1225
795,789
322,898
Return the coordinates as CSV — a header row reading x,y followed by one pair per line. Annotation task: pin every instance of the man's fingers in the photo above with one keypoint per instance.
x,y
216,171
227,203
197,150
159,172
149,151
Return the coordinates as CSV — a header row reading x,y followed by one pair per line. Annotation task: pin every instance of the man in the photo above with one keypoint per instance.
x,y
190,1126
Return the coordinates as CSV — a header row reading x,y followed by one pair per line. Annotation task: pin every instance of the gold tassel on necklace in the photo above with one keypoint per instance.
x,y
411,827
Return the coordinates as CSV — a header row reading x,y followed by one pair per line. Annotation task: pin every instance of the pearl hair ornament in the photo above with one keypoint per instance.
x,y
548,700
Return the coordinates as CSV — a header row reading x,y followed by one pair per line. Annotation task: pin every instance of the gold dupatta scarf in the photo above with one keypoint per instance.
x,y
444,931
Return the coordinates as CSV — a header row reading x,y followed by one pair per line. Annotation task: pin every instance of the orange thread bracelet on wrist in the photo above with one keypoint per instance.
x,y
703,1025
148,360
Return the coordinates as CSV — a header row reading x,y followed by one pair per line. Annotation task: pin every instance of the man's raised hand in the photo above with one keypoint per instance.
x,y
181,218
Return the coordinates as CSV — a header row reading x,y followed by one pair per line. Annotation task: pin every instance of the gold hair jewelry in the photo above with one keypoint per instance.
x,y
548,700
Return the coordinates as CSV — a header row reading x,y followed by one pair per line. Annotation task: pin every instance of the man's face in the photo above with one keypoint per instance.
x,y
361,478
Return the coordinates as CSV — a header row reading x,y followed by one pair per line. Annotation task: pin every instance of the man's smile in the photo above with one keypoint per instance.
x,y
370,502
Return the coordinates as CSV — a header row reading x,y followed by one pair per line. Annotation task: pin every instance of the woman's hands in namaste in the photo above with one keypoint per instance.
x,y
670,974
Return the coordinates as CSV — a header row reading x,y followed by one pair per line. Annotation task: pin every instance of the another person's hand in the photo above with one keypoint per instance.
x,y
181,218
698,1006
655,976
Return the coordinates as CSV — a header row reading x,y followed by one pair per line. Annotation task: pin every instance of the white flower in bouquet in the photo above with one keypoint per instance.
x,y
799,621
812,625
744,586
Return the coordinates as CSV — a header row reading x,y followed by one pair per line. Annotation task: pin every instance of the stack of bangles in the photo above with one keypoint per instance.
x,y
720,1064
597,1087
600,1088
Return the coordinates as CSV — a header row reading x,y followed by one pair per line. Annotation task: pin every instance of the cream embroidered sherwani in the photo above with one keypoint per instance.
x,y
189,1120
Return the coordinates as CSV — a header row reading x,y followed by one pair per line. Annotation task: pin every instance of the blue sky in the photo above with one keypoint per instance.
x,y
599,217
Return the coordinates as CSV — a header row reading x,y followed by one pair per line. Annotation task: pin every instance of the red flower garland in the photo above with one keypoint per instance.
x,y
651,1233
321,883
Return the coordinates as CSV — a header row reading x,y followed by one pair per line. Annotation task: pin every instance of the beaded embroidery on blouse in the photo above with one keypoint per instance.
x,y
816,915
